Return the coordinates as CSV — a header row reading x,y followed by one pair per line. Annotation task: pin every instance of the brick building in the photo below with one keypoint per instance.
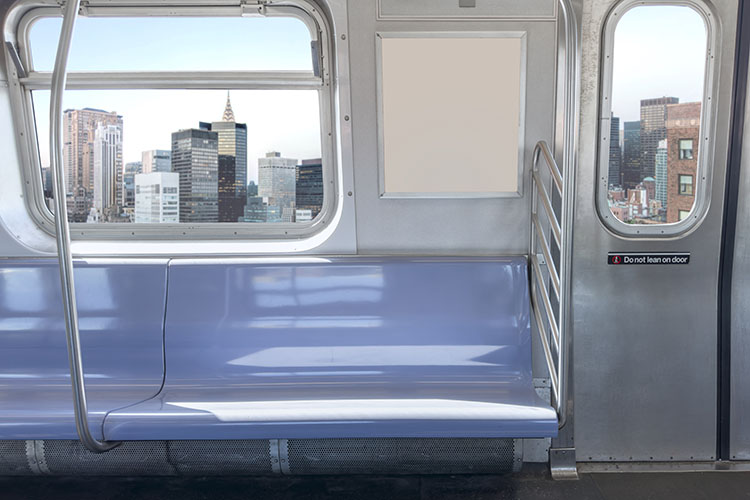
x,y
683,140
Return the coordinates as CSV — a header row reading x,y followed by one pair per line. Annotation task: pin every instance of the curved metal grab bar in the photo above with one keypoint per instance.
x,y
540,294
559,223
62,234
543,149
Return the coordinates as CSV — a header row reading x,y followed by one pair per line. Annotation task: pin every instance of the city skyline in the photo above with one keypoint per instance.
x,y
659,160
272,126
202,168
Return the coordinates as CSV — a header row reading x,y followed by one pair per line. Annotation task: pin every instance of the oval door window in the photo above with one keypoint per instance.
x,y
654,96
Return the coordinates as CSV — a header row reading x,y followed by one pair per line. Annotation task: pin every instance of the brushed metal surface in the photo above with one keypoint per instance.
x,y
455,9
442,226
645,337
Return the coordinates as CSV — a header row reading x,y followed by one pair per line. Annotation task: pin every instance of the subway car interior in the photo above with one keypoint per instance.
x,y
460,244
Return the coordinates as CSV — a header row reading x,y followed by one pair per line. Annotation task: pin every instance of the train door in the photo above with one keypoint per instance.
x,y
656,107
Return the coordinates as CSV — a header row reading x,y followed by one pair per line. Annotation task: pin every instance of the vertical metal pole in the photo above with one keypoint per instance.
x,y
62,234
562,450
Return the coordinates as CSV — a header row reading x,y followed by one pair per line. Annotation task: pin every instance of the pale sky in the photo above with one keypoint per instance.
x,y
659,51
285,121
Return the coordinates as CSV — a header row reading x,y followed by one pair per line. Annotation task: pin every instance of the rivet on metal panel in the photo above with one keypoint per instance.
x,y
517,455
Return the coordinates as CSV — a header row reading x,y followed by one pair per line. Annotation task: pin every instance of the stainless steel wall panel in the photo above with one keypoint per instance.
x,y
452,9
441,226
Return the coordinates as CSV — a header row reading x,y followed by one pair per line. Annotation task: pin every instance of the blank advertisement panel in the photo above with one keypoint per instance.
x,y
451,114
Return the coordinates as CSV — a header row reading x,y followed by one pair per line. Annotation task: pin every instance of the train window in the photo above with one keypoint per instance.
x,y
168,133
656,114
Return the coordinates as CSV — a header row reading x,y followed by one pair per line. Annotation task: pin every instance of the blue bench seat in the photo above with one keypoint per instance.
x,y
343,347
121,316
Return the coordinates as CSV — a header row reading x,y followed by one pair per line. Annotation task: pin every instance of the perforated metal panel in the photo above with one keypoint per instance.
x,y
220,457
400,456
260,457
13,458
132,458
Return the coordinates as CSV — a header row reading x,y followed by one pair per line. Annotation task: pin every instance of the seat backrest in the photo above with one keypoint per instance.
x,y
320,319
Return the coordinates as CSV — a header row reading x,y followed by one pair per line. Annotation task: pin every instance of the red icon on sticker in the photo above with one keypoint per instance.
x,y
616,259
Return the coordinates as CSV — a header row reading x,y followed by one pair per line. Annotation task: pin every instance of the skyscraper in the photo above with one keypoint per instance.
x,y
257,210
661,173
232,164
195,158
252,189
107,170
277,182
630,169
309,186
128,185
653,130
47,182
156,160
79,130
157,197
615,151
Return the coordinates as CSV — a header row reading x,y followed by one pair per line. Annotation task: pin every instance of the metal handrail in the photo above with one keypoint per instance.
x,y
569,148
554,381
554,328
549,211
551,325
554,276
62,235
543,149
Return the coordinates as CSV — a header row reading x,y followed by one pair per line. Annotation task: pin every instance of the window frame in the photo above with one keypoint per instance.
x,y
321,79
704,171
